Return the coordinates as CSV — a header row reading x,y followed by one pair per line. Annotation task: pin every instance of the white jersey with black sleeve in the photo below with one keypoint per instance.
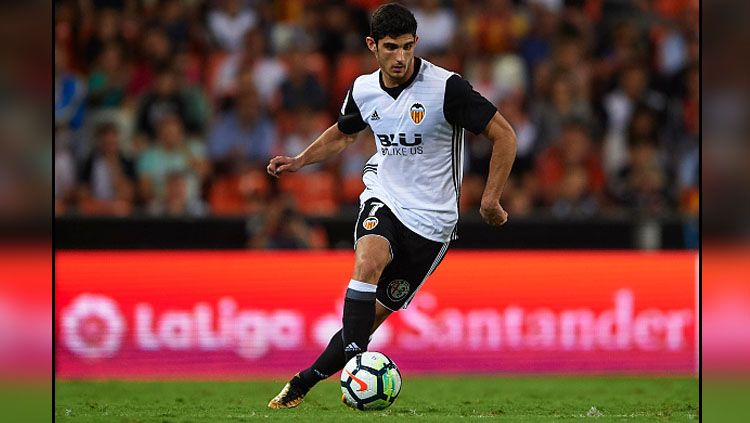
x,y
419,136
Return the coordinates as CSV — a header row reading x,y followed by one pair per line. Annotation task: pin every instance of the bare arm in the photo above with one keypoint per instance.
x,y
503,138
329,143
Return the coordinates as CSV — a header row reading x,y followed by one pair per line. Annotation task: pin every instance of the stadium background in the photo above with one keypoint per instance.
x,y
167,111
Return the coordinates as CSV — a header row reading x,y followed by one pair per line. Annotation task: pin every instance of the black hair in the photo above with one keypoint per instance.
x,y
392,20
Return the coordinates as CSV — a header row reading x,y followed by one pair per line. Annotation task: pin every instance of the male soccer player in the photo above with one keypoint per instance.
x,y
409,208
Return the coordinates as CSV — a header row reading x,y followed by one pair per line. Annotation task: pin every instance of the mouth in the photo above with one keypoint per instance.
x,y
398,68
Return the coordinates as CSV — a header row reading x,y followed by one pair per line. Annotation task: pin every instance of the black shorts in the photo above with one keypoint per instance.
x,y
413,257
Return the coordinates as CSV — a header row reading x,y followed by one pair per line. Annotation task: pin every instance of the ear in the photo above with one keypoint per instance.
x,y
371,44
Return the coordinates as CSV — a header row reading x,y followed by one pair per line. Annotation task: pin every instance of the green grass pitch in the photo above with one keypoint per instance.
x,y
423,399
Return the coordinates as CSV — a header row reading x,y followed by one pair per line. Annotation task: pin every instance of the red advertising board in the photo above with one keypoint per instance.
x,y
245,314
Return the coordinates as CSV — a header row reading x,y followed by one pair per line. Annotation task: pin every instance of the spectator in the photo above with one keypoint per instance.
x,y
108,22
243,134
165,99
514,110
575,197
632,91
173,152
643,184
65,174
572,150
108,81
189,73
481,75
251,66
301,89
336,32
566,74
536,47
107,176
229,22
494,27
155,54
304,131
564,104
172,19
176,201
437,27
281,227
70,94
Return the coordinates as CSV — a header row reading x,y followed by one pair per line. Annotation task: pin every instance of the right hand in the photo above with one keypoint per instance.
x,y
493,213
281,164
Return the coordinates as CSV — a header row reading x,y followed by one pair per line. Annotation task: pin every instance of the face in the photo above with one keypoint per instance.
x,y
170,132
109,141
395,56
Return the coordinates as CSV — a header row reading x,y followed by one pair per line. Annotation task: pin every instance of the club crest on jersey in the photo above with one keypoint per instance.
x,y
370,223
397,289
417,113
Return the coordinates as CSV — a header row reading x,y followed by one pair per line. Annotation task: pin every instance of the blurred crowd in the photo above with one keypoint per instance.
x,y
173,107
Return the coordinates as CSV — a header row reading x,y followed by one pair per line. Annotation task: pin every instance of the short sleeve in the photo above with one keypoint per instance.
x,y
350,119
465,107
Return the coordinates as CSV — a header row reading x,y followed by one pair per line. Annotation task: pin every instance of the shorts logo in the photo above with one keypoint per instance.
x,y
370,223
398,289
417,113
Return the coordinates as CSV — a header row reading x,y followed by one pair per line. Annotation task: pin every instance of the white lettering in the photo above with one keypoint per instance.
x,y
483,329
540,326
677,322
614,326
251,334
144,337
204,326
449,327
176,330
648,329
419,322
287,329
577,330
514,326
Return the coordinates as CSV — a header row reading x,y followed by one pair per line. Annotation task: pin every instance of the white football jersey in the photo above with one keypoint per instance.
x,y
419,136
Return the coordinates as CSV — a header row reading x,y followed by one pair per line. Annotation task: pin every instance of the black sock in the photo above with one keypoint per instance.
x,y
330,361
359,316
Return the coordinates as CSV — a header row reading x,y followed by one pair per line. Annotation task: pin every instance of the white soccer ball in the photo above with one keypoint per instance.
x,y
370,381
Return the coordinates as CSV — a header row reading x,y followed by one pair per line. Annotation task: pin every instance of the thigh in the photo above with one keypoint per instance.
x,y
416,259
376,219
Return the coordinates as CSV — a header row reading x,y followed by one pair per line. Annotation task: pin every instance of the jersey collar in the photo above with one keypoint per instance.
x,y
395,91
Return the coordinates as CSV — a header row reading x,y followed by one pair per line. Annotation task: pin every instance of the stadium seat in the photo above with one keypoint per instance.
x,y
352,188
315,193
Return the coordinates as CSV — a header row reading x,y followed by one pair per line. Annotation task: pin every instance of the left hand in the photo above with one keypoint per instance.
x,y
493,213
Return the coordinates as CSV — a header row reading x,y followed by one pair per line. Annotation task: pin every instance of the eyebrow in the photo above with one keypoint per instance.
x,y
394,45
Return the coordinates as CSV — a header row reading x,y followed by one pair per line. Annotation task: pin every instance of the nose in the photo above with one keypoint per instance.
x,y
401,56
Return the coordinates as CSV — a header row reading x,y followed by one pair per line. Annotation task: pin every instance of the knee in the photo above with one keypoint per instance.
x,y
368,269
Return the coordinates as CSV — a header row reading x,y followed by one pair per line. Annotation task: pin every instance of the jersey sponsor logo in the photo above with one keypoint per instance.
x,y
397,289
399,144
362,383
370,223
417,112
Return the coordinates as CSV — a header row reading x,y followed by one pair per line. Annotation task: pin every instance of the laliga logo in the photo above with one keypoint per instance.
x,y
92,326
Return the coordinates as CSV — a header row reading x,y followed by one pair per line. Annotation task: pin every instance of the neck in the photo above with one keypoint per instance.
x,y
392,83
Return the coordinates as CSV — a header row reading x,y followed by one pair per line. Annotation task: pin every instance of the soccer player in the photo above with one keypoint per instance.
x,y
409,208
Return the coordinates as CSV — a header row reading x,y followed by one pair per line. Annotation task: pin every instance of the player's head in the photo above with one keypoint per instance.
x,y
393,36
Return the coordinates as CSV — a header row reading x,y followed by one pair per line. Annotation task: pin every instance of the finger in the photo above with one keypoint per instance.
x,y
283,167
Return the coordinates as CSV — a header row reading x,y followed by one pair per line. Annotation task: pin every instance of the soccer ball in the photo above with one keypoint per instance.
x,y
370,381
